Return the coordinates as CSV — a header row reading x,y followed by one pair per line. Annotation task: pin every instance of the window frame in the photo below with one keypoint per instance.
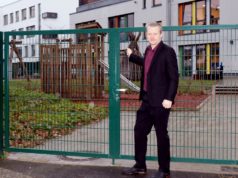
x,y
21,36
32,11
205,15
212,19
33,50
26,50
23,14
11,17
116,22
144,4
30,28
17,16
5,19
155,4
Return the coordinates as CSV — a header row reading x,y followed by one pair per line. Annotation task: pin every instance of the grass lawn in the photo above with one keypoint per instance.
x,y
36,116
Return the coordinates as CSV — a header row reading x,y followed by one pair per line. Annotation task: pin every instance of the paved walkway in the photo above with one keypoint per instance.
x,y
19,169
28,165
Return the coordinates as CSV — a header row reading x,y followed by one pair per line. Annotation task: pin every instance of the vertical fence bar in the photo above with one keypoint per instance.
x,y
114,98
1,93
6,89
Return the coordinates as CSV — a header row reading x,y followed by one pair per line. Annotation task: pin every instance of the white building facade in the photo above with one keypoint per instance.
x,y
36,15
193,54
31,15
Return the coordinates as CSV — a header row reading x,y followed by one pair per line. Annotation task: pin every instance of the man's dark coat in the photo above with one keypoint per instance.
x,y
162,77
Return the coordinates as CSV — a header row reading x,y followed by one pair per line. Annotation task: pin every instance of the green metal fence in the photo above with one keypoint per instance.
x,y
75,93
1,93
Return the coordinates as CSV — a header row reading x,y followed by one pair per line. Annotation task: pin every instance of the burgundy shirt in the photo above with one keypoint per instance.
x,y
148,60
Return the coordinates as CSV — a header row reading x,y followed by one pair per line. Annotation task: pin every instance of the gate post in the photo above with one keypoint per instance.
x,y
114,95
1,93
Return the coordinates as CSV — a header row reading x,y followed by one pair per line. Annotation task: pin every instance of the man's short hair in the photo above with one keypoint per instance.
x,y
154,24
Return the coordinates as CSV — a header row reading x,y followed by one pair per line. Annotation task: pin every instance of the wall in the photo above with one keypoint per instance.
x,y
141,15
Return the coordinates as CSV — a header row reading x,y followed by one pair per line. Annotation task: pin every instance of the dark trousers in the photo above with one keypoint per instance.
x,y
147,117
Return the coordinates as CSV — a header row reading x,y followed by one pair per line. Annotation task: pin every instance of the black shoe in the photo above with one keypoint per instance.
x,y
160,174
134,171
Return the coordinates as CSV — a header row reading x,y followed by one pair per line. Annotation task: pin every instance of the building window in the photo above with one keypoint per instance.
x,y
17,16
144,4
14,36
11,18
21,36
30,28
185,16
50,36
5,19
215,56
122,21
49,15
23,14
195,13
201,58
187,60
205,58
32,11
215,12
26,51
156,3
201,12
33,50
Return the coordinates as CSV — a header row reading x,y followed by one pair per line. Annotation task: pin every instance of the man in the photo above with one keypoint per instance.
x,y
159,83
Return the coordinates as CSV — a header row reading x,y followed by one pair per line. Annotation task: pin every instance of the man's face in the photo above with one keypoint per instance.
x,y
153,35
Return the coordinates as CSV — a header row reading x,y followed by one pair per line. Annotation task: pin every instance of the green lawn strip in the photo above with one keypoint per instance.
x,y
36,116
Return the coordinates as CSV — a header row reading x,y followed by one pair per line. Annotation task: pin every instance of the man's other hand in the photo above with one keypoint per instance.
x,y
167,104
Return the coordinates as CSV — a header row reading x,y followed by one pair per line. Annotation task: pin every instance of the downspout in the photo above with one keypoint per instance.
x,y
39,20
169,20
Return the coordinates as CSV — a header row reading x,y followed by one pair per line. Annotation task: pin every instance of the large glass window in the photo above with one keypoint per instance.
x,y
201,58
187,60
215,12
201,13
195,13
120,22
214,56
185,16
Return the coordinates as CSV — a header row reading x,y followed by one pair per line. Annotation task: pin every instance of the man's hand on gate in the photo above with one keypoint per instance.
x,y
128,52
167,104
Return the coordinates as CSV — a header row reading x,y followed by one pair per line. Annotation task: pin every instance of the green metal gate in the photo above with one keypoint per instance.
x,y
75,93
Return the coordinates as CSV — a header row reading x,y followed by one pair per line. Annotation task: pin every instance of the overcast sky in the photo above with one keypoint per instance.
x,y
4,2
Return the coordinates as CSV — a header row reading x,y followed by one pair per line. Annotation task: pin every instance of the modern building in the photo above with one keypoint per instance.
x,y
193,55
25,15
